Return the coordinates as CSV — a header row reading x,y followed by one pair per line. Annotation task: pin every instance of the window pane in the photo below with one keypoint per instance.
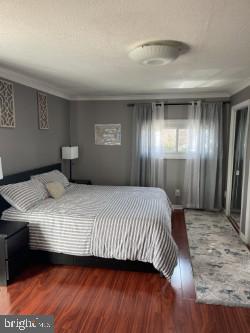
x,y
169,140
182,140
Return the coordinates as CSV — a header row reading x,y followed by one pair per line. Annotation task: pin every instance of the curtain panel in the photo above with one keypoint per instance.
x,y
147,163
203,185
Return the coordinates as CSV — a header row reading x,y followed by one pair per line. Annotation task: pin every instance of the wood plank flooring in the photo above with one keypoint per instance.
x,y
100,300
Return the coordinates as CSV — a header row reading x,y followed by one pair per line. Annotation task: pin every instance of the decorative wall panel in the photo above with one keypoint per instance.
x,y
7,106
43,111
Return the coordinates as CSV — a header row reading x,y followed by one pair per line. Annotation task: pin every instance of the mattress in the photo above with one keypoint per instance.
x,y
120,222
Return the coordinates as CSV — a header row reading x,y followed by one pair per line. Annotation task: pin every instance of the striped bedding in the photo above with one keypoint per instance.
x,y
106,221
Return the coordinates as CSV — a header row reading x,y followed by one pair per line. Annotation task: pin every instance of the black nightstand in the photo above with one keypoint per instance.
x,y
14,249
81,181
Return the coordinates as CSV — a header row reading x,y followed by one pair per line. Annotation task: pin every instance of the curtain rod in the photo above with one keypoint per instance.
x,y
188,103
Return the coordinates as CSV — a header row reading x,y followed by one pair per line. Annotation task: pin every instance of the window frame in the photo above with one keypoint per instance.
x,y
176,124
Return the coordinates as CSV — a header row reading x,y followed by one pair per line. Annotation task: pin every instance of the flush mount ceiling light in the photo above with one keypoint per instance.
x,y
156,53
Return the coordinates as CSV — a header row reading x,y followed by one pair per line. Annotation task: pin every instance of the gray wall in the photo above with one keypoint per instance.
x,y
102,164
111,164
26,147
241,96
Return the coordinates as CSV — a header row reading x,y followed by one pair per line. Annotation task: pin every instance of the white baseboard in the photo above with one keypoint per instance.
x,y
178,207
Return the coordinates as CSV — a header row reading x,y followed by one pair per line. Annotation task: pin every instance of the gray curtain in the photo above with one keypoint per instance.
x,y
147,163
203,184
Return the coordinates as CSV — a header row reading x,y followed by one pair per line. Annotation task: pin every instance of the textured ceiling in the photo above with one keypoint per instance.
x,y
80,47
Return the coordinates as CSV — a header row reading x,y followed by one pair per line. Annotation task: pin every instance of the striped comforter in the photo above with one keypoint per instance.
x,y
106,221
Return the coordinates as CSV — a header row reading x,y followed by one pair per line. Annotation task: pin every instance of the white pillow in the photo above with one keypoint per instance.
x,y
24,195
55,189
52,176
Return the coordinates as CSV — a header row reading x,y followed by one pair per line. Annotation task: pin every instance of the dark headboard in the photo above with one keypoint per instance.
x,y
21,177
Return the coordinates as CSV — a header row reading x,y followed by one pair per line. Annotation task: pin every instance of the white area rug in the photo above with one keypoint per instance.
x,y
220,260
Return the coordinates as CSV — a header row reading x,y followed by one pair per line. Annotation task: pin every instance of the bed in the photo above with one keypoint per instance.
x,y
100,226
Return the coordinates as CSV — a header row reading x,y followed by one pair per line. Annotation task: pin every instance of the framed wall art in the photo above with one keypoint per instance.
x,y
108,134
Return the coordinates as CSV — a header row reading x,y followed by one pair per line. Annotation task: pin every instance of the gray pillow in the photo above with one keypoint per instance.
x,y
52,176
24,195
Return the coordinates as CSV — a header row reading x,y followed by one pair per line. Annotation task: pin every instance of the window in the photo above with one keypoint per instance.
x,y
175,139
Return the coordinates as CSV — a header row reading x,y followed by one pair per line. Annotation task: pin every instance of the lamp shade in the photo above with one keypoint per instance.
x,y
1,170
70,153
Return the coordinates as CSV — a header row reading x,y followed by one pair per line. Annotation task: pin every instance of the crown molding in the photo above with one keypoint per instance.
x,y
240,87
193,95
31,82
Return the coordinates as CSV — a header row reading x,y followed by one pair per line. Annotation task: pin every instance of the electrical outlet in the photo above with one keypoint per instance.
x,y
177,192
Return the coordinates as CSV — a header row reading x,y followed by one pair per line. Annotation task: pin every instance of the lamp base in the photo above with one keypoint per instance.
x,y
70,169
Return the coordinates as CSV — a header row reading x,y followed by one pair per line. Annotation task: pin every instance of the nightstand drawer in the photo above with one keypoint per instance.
x,y
14,249
16,243
16,264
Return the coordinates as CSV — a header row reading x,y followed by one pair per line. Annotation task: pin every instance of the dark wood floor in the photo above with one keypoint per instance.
x,y
98,300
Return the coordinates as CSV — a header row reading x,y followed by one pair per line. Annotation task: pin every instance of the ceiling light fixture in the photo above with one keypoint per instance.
x,y
156,53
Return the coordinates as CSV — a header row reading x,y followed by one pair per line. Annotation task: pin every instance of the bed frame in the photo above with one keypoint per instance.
x,y
65,259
